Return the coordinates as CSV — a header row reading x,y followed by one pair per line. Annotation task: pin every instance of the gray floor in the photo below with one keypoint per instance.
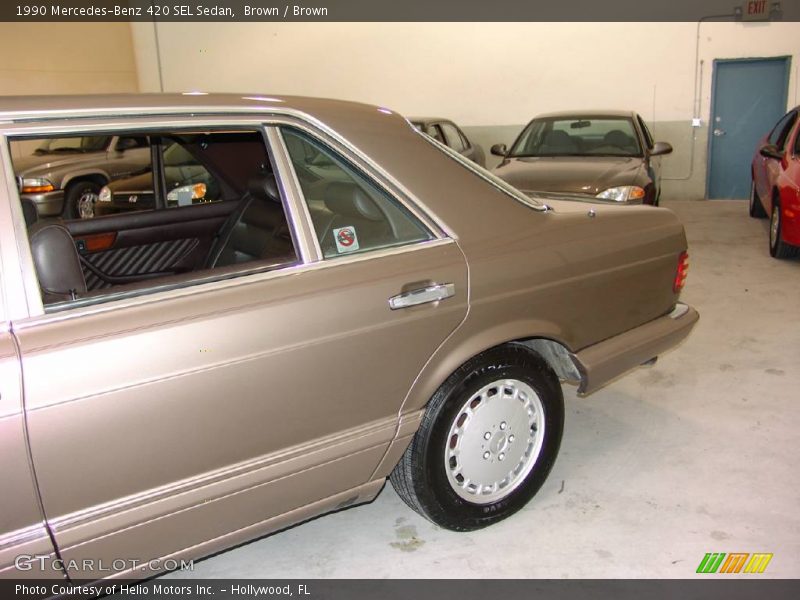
x,y
697,454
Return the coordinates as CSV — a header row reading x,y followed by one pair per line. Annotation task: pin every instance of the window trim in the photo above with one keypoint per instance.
x,y
30,311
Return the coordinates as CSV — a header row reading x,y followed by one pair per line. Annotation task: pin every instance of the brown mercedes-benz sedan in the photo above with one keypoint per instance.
x,y
596,155
326,311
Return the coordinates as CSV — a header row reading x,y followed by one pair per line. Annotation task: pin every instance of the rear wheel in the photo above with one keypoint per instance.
x,y
756,208
487,442
777,247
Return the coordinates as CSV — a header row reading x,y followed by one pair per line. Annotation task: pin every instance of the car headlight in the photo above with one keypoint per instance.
x,y
186,194
36,185
624,193
105,194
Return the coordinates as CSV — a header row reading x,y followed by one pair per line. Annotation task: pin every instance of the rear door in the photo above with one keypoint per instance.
x,y
175,420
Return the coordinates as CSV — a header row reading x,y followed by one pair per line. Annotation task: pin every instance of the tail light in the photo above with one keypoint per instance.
x,y
681,273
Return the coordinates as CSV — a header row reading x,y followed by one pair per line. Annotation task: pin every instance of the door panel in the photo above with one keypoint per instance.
x,y
211,392
129,247
749,96
22,529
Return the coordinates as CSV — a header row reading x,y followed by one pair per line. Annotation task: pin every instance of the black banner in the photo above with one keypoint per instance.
x,y
167,588
393,10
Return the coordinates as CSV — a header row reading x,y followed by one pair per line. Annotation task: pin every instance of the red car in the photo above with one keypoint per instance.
x,y
776,185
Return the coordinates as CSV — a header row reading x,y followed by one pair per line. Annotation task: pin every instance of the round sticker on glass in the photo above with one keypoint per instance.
x,y
346,239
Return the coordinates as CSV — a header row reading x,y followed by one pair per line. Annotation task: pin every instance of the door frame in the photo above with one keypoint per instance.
x,y
787,64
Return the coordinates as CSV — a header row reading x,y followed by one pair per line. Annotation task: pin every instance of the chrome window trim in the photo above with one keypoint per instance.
x,y
509,191
293,194
250,276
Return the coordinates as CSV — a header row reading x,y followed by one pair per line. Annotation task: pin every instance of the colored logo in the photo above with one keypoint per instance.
x,y
734,562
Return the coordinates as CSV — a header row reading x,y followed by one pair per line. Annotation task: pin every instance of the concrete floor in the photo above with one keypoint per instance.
x,y
696,454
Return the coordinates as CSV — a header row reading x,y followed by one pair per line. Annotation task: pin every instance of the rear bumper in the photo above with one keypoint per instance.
x,y
602,362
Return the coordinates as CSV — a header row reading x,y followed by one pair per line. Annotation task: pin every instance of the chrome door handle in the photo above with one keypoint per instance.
x,y
432,293
719,132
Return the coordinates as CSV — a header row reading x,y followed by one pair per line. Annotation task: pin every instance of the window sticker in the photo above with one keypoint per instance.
x,y
346,239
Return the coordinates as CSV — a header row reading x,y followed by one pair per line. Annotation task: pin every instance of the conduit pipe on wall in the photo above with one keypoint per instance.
x,y
698,87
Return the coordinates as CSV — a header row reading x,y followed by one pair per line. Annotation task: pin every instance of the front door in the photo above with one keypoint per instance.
x,y
749,96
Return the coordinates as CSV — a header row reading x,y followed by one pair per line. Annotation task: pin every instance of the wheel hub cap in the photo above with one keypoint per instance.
x,y
494,441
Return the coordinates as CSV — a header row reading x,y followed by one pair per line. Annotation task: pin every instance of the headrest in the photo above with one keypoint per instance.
x,y
349,200
264,188
615,137
55,257
29,211
558,138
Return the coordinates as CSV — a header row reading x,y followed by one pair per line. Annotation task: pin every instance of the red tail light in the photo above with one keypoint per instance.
x,y
681,273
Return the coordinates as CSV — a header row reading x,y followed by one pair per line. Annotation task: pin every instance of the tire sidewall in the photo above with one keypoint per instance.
x,y
440,500
73,195
776,214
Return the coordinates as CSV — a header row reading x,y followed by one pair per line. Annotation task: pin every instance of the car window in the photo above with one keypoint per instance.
x,y
350,212
209,208
436,133
453,137
796,150
648,138
778,134
578,136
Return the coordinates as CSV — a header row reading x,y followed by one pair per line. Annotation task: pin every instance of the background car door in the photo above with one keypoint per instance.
x,y
165,421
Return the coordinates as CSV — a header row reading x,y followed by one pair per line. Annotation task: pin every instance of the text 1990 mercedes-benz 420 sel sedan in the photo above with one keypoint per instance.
x,y
313,297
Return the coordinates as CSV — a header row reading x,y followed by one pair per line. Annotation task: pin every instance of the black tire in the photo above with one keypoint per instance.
x,y
777,247
421,477
756,208
73,194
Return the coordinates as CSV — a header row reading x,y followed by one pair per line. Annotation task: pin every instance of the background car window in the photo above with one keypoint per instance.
x,y
780,142
350,213
435,133
600,136
453,137
781,129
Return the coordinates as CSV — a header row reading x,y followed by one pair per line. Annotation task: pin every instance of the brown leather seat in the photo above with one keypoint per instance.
x,y
58,267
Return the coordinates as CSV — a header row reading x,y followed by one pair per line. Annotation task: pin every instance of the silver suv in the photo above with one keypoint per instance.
x,y
61,172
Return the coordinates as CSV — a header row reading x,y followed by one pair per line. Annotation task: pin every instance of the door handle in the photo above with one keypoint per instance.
x,y
719,132
431,293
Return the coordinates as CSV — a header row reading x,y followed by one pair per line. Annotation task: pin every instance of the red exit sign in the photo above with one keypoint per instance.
x,y
756,10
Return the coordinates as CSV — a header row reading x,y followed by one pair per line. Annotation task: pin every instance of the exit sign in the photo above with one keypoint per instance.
x,y
756,10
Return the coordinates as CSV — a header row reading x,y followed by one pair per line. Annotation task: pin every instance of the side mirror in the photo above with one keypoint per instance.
x,y
771,151
661,148
125,144
499,150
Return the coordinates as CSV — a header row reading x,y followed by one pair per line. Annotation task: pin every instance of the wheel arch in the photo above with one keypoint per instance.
x,y
98,177
543,338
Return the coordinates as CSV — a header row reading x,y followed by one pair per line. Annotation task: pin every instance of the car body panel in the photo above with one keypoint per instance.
x,y
335,320
174,421
22,527
780,178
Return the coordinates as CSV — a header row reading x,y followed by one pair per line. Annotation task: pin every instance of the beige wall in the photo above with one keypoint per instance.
x,y
66,58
